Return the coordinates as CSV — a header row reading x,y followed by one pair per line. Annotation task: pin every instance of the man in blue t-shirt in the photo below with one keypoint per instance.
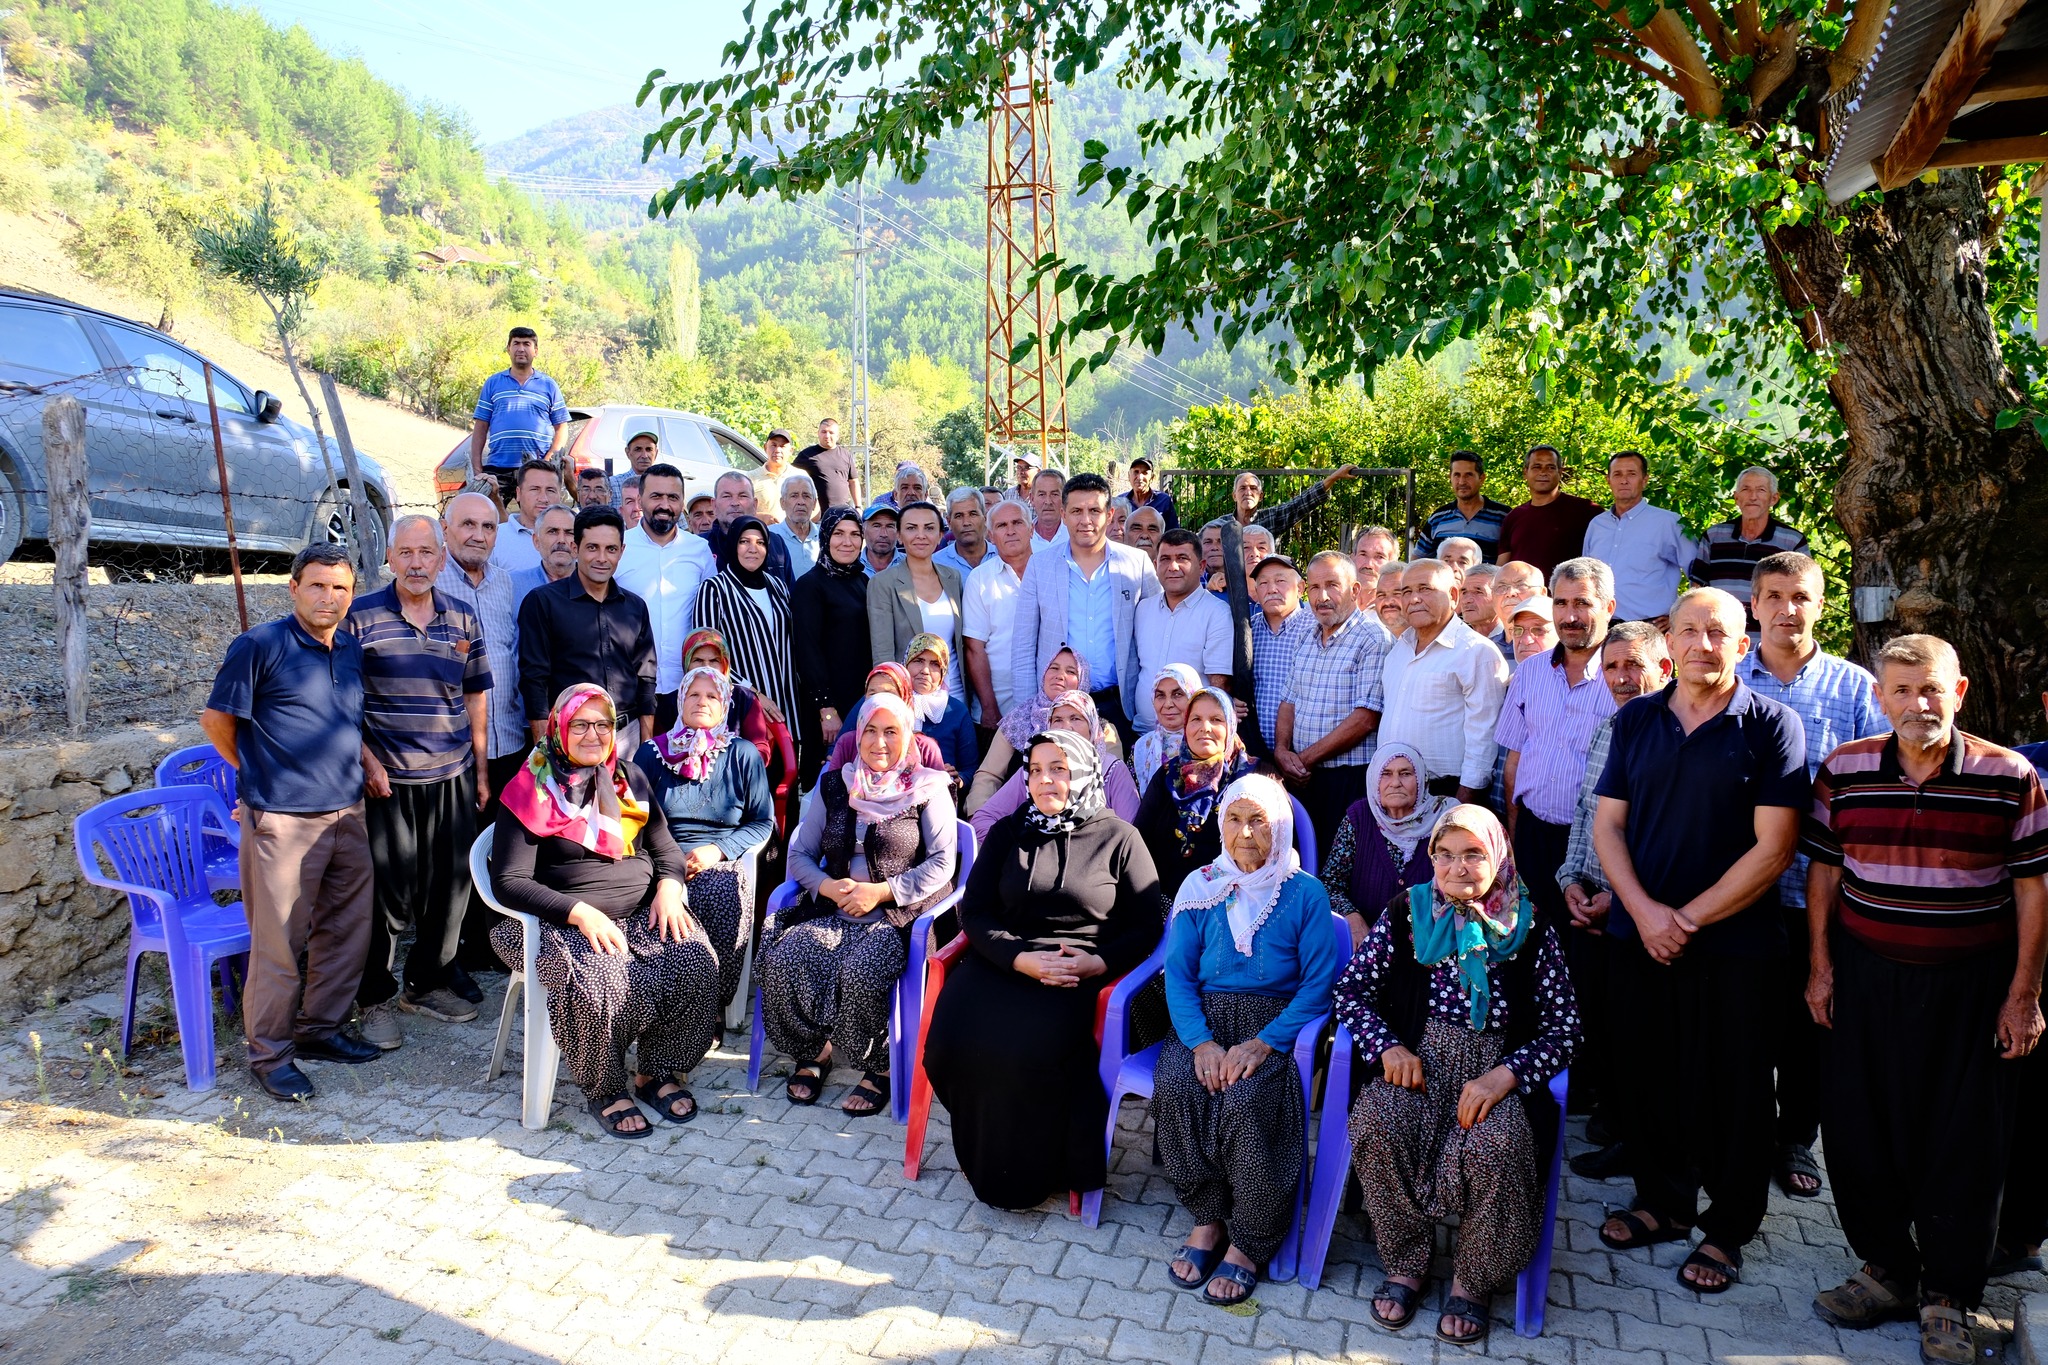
x,y
519,415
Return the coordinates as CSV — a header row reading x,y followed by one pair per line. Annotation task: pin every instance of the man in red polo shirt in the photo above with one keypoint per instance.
x,y
1551,526
1929,848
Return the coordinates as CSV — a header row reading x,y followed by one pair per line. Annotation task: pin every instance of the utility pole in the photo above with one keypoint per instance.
x,y
1024,403
857,379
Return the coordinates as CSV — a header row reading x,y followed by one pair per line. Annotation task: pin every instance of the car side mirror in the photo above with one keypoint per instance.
x,y
268,406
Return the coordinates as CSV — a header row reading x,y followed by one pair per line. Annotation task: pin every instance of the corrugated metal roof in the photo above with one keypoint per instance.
x,y
1865,116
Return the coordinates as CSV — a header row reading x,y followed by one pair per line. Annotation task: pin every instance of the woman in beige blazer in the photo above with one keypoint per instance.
x,y
915,595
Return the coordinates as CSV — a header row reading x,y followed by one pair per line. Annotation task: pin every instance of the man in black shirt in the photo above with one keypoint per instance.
x,y
831,468
586,628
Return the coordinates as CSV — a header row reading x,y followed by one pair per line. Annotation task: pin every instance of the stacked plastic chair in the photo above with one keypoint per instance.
x,y
202,766
155,841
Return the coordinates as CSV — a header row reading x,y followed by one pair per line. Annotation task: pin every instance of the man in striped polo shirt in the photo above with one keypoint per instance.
x,y
426,740
1929,920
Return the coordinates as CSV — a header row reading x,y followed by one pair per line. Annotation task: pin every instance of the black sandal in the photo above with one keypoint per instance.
x,y
1794,1160
649,1094
1641,1234
869,1087
1401,1294
810,1074
1730,1270
610,1122
1458,1306
1203,1259
1247,1280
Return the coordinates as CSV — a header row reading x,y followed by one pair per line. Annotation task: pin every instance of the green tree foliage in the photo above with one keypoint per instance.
x,y
681,311
125,247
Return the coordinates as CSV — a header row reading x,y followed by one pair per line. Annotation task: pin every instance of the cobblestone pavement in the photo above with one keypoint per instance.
x,y
406,1216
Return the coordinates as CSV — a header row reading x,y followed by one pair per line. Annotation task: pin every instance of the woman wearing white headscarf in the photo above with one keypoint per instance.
x,y
1250,959
1062,901
875,849
1173,687
1463,1004
1382,844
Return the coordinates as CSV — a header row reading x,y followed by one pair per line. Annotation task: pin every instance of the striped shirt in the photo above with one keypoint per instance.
x,y
1837,702
415,716
496,604
1273,654
1727,561
1482,527
1927,871
1332,678
1581,866
1549,717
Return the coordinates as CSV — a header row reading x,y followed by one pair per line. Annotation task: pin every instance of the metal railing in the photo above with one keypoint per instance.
x,y
1374,497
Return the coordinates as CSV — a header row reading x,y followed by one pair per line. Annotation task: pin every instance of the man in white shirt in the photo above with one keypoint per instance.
x,y
989,612
967,519
797,531
1443,683
665,565
1182,625
1646,546
540,487
1048,527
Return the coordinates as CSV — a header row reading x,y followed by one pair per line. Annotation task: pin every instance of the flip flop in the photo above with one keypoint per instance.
x,y
1203,1259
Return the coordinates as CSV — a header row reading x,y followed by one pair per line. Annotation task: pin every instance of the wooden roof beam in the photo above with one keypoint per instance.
x,y
1957,71
2025,79
1993,151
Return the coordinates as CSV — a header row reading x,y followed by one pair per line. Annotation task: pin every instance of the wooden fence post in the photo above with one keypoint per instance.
x,y
64,462
369,569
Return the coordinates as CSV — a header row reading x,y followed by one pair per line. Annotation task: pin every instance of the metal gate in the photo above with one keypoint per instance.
x,y
1376,497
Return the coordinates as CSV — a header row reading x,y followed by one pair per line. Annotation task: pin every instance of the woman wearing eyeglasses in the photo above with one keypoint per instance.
x,y
1462,1003
581,844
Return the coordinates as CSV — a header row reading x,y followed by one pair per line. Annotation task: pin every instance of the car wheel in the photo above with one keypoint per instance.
x,y
337,517
10,515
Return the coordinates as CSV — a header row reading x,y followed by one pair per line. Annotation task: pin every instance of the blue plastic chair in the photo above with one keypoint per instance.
x,y
155,842
906,1001
201,765
1332,1168
1305,843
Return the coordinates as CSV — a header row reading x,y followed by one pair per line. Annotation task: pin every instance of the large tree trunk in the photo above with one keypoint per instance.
x,y
1938,504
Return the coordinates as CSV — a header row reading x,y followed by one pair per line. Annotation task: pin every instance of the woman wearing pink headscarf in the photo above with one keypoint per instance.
x,y
876,848
1462,1002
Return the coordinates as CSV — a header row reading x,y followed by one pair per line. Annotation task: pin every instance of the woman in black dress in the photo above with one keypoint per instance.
x,y
1062,901
1177,816
829,634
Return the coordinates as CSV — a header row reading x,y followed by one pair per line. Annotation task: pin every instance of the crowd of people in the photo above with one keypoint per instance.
x,y
1571,813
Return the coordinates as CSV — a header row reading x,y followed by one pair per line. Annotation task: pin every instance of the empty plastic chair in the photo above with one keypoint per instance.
x,y
541,1060
201,765
154,841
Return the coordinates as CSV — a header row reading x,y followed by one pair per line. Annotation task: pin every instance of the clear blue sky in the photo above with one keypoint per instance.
x,y
516,66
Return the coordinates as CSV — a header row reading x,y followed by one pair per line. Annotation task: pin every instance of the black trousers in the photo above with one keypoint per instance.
x,y
665,704
1802,1044
1442,786
1693,1055
419,853
1539,852
475,952
1329,793
2023,1216
1919,1113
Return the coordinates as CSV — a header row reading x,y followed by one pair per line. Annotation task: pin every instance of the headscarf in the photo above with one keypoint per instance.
x,y
832,567
928,707
1028,718
1195,784
1247,897
552,794
701,637
904,784
1477,933
1155,746
898,676
729,552
686,750
1085,795
1411,829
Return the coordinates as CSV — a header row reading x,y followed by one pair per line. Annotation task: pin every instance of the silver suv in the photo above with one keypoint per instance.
x,y
154,485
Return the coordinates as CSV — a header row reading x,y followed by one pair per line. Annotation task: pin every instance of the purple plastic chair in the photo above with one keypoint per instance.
x,y
1333,1167
906,1002
155,842
1305,844
201,765
1124,1076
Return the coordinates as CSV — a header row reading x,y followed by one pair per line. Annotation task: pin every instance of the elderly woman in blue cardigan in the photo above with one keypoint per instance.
x,y
1250,959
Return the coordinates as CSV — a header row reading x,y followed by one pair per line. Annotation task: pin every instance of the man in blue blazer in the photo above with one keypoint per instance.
x,y
1084,596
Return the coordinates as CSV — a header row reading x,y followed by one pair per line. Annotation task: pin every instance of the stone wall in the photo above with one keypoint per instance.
x,y
58,932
